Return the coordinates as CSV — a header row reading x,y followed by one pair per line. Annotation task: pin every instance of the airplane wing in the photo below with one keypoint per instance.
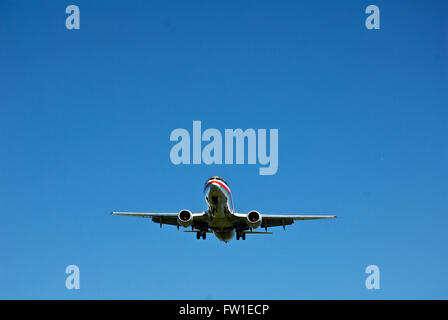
x,y
161,218
269,220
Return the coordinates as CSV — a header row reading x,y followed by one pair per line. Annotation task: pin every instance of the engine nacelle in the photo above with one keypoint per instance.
x,y
185,218
254,219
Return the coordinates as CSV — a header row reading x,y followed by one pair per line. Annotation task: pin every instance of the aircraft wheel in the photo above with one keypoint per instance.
x,y
204,235
237,235
243,235
198,235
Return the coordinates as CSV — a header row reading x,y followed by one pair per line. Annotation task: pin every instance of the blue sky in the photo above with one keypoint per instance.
x,y
85,119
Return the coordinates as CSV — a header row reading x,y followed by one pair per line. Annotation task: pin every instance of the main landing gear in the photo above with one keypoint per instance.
x,y
200,234
240,234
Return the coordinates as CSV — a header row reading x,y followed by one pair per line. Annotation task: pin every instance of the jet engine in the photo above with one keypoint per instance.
x,y
254,219
185,218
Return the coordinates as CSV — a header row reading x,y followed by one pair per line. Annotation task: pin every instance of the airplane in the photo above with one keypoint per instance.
x,y
220,217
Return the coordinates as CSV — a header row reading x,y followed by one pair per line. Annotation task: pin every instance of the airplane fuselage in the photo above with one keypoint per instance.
x,y
220,209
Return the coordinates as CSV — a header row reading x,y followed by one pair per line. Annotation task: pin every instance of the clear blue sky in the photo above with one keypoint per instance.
x,y
85,119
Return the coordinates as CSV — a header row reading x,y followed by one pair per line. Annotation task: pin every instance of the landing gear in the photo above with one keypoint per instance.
x,y
200,234
240,234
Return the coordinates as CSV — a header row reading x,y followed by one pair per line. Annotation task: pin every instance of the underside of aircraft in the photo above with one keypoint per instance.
x,y
220,217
